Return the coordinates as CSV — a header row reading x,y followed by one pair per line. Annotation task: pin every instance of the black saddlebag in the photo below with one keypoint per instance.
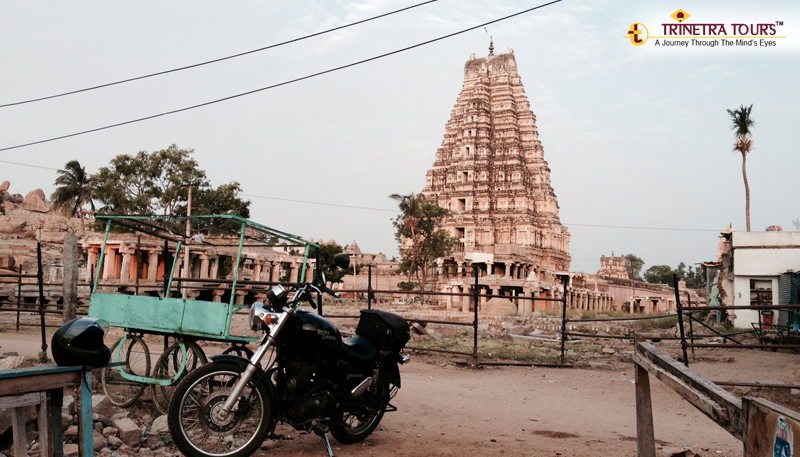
x,y
388,331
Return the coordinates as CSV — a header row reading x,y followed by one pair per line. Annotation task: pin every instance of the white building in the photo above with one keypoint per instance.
x,y
750,265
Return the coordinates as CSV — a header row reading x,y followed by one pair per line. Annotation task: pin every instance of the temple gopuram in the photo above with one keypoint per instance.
x,y
490,173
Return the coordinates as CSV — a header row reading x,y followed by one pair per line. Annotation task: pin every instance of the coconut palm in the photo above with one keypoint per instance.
x,y
73,190
742,126
410,209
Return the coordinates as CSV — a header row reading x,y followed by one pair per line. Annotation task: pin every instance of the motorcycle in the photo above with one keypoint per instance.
x,y
312,380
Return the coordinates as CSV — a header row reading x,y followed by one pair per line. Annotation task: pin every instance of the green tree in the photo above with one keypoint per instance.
x,y
421,239
742,126
126,187
153,183
326,254
408,219
73,190
633,265
663,274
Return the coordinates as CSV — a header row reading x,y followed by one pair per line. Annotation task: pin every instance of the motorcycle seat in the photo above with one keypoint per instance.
x,y
358,351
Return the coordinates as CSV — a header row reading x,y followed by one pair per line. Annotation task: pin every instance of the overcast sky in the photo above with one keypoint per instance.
x,y
634,136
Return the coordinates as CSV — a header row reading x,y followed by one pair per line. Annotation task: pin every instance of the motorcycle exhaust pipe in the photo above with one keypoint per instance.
x,y
361,388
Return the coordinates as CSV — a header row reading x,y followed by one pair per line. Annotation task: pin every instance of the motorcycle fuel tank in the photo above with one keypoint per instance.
x,y
314,335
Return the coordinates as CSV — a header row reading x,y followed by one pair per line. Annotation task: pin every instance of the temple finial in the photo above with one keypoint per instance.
x,y
491,46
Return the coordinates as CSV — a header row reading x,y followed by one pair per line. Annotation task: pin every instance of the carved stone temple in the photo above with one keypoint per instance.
x,y
491,174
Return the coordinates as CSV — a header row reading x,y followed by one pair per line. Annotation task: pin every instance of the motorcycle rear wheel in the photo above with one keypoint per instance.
x,y
193,426
362,415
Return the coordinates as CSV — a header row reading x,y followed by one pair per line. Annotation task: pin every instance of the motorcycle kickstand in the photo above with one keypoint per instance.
x,y
327,444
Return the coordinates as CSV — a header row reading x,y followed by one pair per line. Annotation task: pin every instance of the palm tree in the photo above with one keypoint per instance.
x,y
73,190
742,126
410,208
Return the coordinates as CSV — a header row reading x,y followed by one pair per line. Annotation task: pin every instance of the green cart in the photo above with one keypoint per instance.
x,y
184,320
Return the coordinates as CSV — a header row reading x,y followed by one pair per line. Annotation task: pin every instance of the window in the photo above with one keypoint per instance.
x,y
462,204
460,232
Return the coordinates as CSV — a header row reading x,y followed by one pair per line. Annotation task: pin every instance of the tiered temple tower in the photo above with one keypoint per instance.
x,y
491,174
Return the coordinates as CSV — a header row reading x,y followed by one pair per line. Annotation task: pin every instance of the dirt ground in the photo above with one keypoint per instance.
x,y
445,410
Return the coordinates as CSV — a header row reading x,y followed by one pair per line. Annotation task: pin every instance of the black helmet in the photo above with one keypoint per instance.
x,y
80,342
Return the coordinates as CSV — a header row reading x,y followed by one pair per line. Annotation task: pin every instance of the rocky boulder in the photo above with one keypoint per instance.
x,y
4,187
34,201
499,307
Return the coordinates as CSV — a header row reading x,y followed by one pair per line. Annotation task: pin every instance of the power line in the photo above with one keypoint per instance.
x,y
29,165
294,40
321,204
119,124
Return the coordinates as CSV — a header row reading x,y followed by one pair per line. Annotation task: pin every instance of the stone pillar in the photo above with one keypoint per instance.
x,y
525,306
460,270
125,273
256,270
489,268
239,300
152,265
275,272
216,295
451,298
108,263
204,266
465,303
214,271
293,272
93,259
266,271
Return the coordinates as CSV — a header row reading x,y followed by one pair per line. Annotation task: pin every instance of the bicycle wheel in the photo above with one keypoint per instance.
x,y
134,353
167,367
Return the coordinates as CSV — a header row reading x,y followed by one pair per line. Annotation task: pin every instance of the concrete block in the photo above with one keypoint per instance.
x,y
102,405
71,450
129,432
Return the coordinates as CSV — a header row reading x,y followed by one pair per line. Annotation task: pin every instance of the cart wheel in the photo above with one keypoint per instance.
x,y
168,365
120,391
240,350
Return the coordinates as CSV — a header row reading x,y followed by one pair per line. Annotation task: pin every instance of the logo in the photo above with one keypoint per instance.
x,y
636,33
707,34
680,15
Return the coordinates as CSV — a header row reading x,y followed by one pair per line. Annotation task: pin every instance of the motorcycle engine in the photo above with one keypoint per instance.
x,y
305,393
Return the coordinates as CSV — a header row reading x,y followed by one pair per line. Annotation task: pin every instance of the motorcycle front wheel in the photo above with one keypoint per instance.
x,y
362,415
195,425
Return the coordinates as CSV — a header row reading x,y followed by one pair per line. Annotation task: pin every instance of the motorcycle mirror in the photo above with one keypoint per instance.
x,y
342,261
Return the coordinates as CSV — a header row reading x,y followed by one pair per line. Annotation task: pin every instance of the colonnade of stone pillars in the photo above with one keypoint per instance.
x,y
586,300
120,262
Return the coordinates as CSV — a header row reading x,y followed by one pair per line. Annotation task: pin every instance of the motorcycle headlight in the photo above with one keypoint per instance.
x,y
256,320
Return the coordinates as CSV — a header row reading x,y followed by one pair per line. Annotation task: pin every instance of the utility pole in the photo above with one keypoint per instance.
x,y
186,266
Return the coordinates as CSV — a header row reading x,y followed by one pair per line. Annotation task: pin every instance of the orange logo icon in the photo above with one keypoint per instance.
x,y
680,15
637,34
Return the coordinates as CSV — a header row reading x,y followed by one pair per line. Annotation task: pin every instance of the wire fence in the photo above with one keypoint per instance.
x,y
685,314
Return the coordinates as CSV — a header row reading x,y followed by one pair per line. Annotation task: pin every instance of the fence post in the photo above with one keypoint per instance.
x,y
475,299
680,319
369,289
645,439
565,280
19,294
40,278
166,274
70,261
691,326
